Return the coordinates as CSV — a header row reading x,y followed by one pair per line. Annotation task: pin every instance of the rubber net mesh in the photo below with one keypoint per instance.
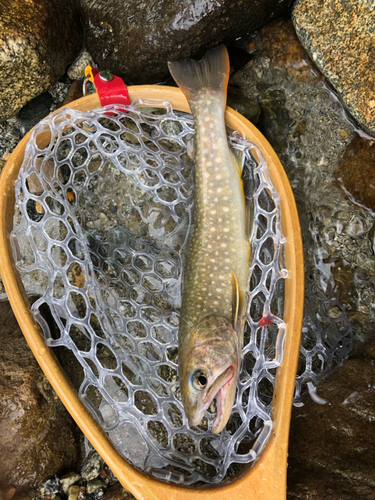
x,y
105,200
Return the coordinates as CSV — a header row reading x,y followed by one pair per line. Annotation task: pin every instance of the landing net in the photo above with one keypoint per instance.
x,y
105,200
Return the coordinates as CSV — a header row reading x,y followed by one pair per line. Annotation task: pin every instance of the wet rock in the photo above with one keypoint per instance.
x,y
135,40
51,486
75,92
34,111
68,480
356,171
247,107
92,466
32,35
77,70
331,447
73,492
96,488
339,35
38,438
117,492
279,41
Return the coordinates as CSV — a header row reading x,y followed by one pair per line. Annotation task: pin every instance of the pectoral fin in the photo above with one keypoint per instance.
x,y
249,217
238,158
235,299
190,148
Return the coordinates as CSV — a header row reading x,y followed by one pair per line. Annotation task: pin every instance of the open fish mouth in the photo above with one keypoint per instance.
x,y
218,390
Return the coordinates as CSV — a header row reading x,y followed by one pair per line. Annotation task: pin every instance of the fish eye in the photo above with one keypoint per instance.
x,y
199,380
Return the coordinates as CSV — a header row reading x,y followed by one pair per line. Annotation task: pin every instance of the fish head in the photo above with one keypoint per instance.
x,y
209,369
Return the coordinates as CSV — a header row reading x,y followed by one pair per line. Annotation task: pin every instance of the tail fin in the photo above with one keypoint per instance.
x,y
211,71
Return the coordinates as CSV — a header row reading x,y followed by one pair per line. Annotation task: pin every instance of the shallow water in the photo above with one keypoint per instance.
x,y
310,131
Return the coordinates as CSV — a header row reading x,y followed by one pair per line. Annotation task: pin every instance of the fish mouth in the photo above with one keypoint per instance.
x,y
218,390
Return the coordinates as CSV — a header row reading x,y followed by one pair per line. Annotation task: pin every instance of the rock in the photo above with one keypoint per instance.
x,y
69,480
279,41
75,92
32,35
96,488
339,36
73,492
331,450
136,39
38,438
247,107
117,492
34,111
92,466
51,486
77,70
356,171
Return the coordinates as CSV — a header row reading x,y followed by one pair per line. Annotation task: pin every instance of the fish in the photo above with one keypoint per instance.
x,y
210,336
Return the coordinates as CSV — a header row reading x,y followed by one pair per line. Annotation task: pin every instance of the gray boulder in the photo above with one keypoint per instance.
x,y
38,40
339,35
135,39
38,438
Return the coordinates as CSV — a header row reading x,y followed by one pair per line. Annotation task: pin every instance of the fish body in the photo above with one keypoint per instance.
x,y
210,332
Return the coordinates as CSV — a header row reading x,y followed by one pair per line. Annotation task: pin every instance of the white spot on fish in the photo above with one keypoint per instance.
x,y
225,209
226,230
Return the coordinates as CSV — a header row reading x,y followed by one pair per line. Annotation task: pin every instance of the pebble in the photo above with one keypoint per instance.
x,y
96,487
73,492
51,486
69,480
92,466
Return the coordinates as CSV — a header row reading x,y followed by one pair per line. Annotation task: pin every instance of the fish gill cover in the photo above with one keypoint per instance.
x,y
105,215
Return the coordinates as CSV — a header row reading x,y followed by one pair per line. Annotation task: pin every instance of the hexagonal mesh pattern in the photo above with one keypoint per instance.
x,y
106,201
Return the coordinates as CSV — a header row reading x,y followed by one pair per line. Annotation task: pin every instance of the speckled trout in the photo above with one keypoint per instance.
x,y
210,332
